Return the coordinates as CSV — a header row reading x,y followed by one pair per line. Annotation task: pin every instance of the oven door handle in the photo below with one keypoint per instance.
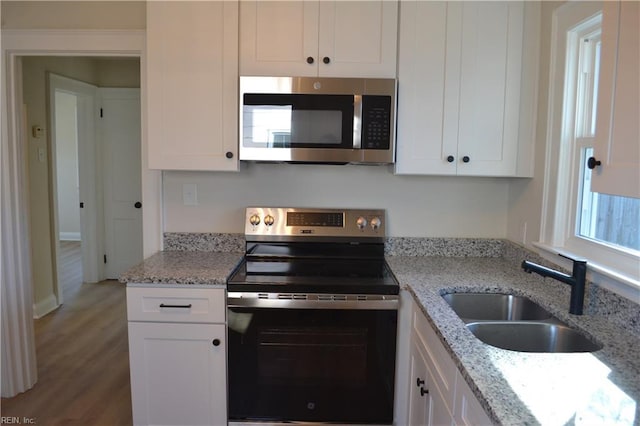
x,y
311,301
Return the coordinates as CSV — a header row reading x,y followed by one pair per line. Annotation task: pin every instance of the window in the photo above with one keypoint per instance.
x,y
601,218
604,229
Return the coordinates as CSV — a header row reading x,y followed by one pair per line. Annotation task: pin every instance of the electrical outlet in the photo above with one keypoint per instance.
x,y
190,194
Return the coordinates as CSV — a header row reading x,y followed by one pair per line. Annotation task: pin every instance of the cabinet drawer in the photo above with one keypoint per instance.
x,y
176,304
439,360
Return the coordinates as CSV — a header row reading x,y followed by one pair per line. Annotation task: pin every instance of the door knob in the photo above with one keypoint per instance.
x,y
592,163
137,205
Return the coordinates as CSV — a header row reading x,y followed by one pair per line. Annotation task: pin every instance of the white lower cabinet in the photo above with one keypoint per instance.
x,y
427,406
438,394
178,368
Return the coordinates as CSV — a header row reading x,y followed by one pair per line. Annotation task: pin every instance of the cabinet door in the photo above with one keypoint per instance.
x,y
427,405
358,39
277,38
468,411
490,73
617,144
178,376
192,85
418,402
459,79
428,76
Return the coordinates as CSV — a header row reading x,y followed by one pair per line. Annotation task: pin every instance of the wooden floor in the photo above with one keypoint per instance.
x,y
82,355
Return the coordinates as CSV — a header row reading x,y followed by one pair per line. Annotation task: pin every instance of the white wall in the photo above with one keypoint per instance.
x,y
67,165
123,15
416,205
525,195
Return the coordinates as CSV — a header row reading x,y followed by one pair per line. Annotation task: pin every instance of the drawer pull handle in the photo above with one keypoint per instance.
x,y
424,391
419,382
162,305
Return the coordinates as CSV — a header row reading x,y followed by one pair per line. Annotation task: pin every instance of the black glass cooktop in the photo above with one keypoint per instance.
x,y
335,269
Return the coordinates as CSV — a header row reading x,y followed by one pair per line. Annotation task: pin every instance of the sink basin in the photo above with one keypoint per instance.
x,y
532,337
495,307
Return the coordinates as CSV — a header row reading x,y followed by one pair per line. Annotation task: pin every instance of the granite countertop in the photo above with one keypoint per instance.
x,y
184,267
514,387
602,387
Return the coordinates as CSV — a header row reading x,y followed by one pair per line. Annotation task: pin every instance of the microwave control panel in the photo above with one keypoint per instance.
x,y
376,122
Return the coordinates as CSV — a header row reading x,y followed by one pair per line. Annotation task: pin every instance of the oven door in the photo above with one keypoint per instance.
x,y
291,361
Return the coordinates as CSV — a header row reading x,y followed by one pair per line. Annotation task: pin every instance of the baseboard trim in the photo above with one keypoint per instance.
x,y
70,236
45,306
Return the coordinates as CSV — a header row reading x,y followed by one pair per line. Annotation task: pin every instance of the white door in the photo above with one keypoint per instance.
x,y
120,136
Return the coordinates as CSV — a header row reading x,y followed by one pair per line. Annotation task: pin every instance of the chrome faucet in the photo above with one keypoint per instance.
x,y
576,280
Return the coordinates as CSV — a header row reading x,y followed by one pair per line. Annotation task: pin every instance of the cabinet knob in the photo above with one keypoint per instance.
x,y
229,154
326,60
466,159
423,391
419,382
451,158
137,205
310,59
216,342
592,163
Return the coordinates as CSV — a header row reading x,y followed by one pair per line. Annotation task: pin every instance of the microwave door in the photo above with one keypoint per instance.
x,y
290,121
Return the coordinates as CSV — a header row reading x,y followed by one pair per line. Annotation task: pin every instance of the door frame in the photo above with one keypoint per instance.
x,y
89,181
17,308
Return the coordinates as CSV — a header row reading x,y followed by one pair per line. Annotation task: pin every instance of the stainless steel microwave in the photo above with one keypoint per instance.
x,y
317,120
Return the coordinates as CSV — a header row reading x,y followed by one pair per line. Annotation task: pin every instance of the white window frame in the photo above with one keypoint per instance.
x,y
611,267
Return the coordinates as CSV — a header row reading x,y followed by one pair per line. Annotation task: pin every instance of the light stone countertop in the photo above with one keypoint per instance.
x,y
514,387
184,267
528,388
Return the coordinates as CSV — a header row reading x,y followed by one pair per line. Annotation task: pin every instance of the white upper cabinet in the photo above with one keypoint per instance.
x,y
466,101
617,144
318,38
192,85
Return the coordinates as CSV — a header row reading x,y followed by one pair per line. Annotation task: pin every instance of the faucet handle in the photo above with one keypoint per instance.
x,y
573,259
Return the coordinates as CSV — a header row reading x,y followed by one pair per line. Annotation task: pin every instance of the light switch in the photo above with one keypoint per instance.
x,y
190,194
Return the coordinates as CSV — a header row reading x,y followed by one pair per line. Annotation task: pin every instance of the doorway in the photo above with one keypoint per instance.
x,y
17,340
91,145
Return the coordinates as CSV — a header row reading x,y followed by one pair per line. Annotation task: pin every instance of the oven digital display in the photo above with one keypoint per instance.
x,y
327,219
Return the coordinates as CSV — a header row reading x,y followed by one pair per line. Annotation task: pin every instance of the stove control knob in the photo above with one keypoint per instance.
x,y
361,222
254,220
268,220
375,223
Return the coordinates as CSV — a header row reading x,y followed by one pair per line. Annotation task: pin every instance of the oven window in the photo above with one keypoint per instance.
x,y
311,365
305,121
302,356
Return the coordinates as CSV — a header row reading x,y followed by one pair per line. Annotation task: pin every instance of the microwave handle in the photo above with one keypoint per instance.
x,y
357,121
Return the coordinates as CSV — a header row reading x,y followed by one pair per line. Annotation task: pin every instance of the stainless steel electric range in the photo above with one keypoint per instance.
x,y
312,318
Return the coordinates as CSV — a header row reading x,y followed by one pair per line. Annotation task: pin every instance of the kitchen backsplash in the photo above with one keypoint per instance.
x,y
599,301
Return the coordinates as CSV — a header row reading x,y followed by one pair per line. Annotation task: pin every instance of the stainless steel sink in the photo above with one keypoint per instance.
x,y
532,337
495,307
516,323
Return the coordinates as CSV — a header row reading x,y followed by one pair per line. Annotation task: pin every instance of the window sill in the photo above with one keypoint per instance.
x,y
619,283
